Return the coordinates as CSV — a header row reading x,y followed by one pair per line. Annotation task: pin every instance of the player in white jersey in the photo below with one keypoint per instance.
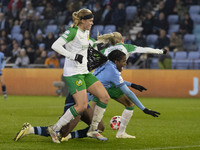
x,y
73,44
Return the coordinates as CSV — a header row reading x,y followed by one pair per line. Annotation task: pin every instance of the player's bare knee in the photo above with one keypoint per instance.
x,y
81,107
105,99
130,105
84,107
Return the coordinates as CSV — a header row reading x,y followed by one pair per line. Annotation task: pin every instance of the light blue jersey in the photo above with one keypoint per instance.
x,y
108,75
2,62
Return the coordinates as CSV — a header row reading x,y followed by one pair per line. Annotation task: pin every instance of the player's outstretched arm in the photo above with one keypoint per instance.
x,y
149,50
137,102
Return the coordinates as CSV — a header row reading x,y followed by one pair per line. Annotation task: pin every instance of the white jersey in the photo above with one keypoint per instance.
x,y
76,41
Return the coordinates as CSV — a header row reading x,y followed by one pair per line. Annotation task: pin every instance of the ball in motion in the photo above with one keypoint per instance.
x,y
115,122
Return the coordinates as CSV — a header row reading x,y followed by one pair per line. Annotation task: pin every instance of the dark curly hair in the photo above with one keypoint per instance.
x,y
116,55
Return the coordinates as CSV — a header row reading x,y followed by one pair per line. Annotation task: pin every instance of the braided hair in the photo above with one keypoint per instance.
x,y
116,55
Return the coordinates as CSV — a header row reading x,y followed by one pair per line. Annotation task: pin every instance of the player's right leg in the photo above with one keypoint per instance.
x,y
87,118
98,90
4,91
77,88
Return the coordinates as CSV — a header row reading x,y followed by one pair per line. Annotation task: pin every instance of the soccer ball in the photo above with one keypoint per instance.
x,y
115,122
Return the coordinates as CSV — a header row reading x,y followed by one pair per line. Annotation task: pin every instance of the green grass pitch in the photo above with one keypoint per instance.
x,y
178,126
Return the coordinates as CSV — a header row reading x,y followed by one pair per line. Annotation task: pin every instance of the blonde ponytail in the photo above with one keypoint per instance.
x,y
112,38
76,19
78,15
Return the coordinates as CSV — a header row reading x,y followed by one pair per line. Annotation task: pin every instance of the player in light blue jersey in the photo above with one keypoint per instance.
x,y
2,65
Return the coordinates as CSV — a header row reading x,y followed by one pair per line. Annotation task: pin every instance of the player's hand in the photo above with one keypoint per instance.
x,y
79,58
164,51
138,87
151,112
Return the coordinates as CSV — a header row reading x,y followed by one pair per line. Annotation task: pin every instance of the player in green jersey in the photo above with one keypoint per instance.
x,y
73,44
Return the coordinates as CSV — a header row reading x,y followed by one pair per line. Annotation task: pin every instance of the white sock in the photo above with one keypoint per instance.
x,y
31,131
125,118
66,118
97,116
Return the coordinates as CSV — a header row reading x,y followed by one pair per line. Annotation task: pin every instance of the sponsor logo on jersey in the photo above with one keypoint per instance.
x,y
79,82
88,37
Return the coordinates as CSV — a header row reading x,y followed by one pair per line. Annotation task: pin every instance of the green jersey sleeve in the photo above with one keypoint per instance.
x,y
129,47
102,51
69,34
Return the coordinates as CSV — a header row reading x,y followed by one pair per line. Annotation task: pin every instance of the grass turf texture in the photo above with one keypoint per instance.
x,y
178,126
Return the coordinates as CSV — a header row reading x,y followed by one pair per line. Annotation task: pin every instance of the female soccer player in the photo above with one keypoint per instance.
x,y
115,39
2,65
73,44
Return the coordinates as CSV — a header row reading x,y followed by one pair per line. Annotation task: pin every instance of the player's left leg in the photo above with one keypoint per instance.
x,y
97,89
119,96
126,116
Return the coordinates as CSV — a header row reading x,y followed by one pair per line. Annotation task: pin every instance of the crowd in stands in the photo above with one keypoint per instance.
x,y
173,26
29,27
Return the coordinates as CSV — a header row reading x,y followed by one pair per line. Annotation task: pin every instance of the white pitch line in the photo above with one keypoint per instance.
x,y
175,147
